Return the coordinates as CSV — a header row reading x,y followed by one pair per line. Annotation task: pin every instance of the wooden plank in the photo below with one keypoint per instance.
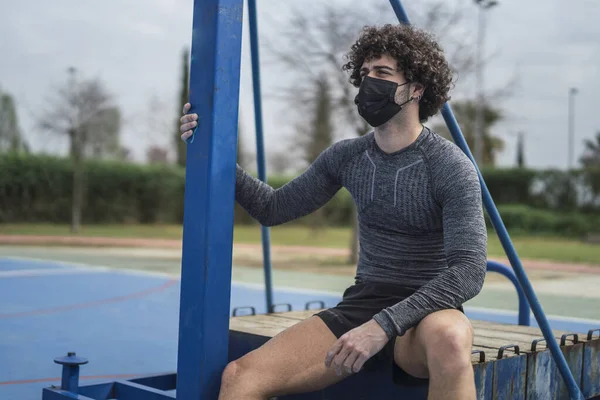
x,y
483,329
526,340
544,381
531,330
484,377
591,365
500,379
510,378
262,325
297,314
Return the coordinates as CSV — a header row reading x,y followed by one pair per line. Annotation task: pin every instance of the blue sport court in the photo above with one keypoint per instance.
x,y
125,322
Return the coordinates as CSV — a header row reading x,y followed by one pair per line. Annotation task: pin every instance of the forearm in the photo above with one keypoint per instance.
x,y
449,290
259,199
297,198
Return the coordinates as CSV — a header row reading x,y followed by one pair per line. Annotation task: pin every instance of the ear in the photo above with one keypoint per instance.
x,y
417,91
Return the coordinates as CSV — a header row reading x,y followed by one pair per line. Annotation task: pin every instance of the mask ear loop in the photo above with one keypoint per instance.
x,y
393,94
419,97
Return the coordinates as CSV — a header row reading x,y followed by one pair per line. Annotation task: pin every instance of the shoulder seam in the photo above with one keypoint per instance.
x,y
348,157
429,174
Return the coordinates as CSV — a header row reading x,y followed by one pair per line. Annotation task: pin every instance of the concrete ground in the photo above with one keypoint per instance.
x,y
566,293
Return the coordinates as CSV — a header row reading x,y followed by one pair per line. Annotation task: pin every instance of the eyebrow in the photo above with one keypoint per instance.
x,y
378,68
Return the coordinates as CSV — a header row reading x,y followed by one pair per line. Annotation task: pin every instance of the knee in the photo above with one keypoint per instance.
x,y
449,347
235,373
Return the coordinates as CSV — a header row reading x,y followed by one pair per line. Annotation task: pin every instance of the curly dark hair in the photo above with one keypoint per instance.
x,y
419,57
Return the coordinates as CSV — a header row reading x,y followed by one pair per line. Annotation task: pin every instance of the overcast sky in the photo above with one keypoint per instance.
x,y
135,47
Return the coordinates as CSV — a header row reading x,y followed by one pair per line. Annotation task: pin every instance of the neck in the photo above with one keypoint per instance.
x,y
398,133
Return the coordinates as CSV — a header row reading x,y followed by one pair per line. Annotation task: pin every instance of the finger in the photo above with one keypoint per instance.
x,y
188,126
186,107
188,118
350,360
339,360
360,362
337,346
186,135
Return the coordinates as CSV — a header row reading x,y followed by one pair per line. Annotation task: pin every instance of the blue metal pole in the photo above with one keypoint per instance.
x,y
209,199
524,317
574,391
70,371
260,146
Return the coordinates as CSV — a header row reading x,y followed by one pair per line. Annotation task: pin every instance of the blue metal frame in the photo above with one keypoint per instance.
x,y
574,391
209,198
260,147
524,317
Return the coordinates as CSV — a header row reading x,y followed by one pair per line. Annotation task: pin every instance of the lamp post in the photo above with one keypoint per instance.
x,y
571,134
478,138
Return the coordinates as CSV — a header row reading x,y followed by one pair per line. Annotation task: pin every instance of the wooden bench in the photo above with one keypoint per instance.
x,y
509,361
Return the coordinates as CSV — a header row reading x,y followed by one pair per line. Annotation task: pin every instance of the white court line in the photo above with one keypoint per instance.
x,y
47,272
287,289
99,268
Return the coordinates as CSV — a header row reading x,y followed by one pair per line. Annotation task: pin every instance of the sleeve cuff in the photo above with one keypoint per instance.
x,y
383,320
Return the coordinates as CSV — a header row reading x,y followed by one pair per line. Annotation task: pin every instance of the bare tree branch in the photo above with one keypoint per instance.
x,y
81,110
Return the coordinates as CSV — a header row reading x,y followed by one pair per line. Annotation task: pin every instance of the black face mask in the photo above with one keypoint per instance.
x,y
375,100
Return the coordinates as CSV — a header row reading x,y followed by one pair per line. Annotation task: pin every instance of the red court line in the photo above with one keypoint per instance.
x,y
40,380
70,307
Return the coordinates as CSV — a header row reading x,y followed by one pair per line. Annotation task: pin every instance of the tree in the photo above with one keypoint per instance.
x,y
465,112
591,167
157,155
180,146
11,137
83,111
316,135
520,150
591,155
104,139
244,158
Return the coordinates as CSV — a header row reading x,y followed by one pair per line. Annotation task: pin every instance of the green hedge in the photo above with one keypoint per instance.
x,y
38,188
524,219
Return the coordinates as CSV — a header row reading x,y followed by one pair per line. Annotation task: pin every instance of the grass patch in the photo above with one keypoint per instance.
x,y
533,247
548,248
109,230
290,235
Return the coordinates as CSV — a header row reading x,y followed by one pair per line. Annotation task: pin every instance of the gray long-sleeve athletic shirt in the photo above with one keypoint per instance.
x,y
421,222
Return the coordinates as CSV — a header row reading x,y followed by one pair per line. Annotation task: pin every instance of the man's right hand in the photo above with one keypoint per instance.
x,y
188,122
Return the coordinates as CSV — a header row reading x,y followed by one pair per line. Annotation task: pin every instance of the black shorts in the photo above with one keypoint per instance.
x,y
360,302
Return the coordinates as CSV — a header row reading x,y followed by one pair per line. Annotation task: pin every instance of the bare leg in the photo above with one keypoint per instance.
x,y
439,348
291,362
